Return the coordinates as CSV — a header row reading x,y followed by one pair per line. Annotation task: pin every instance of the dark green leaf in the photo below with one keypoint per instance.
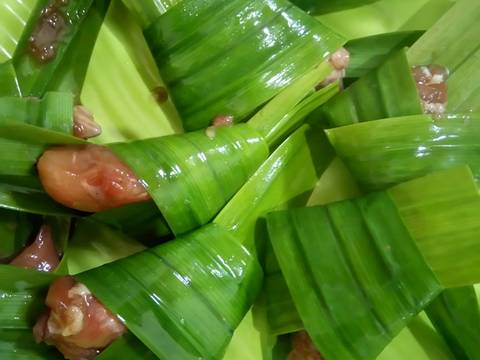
x,y
455,314
192,176
352,255
172,295
376,95
8,80
34,76
326,6
386,152
369,52
233,56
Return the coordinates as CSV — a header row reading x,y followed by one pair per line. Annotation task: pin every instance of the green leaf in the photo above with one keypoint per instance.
x,y
458,49
232,58
286,111
93,245
71,72
386,16
326,6
16,229
370,52
13,16
31,200
418,341
440,211
18,279
381,274
20,345
22,144
173,300
8,80
131,111
141,221
276,184
455,314
147,11
192,176
126,347
33,76
54,111
375,95
386,152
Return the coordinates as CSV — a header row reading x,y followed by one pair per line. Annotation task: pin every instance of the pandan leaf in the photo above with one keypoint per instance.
x,y
455,314
382,274
386,152
234,56
457,48
192,176
375,95
368,53
8,80
182,300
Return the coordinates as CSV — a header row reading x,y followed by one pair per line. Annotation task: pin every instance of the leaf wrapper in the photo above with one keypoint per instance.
x,y
386,152
352,255
192,176
204,282
440,211
370,52
455,314
33,76
376,95
8,80
458,49
233,56
54,111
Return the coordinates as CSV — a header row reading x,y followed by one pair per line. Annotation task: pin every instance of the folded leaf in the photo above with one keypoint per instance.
x,y
455,314
326,6
192,176
13,16
21,144
147,11
16,230
70,75
8,80
386,16
277,184
440,211
19,344
352,255
458,49
34,74
141,221
233,56
30,199
367,53
386,152
126,347
171,301
376,95
126,113
54,111
93,244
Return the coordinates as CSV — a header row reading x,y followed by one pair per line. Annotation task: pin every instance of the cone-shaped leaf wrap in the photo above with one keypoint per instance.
x,y
354,273
192,176
182,299
234,55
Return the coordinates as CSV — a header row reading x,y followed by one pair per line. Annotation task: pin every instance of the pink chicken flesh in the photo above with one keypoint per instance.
x,y
41,254
303,348
76,322
88,178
